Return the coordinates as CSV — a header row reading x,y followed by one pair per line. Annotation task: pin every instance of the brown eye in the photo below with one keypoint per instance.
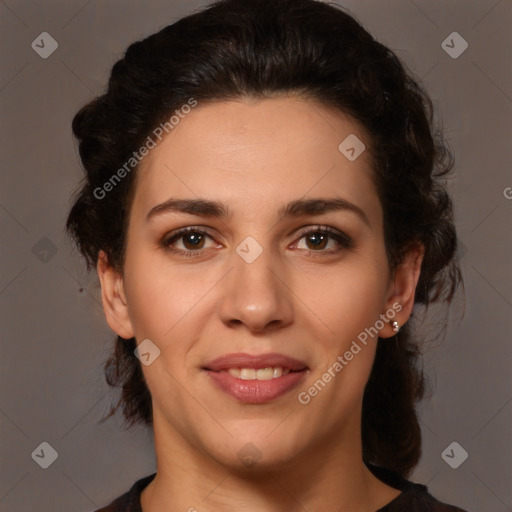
x,y
192,241
317,240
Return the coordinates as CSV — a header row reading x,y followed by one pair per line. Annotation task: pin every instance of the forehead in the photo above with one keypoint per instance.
x,y
252,152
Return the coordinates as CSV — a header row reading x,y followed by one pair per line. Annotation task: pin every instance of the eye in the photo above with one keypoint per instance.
x,y
193,241
191,238
318,238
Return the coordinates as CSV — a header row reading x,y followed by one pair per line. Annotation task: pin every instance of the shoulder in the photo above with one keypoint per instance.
x,y
130,500
414,497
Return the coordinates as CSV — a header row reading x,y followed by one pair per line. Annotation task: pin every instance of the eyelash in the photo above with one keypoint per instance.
x,y
343,240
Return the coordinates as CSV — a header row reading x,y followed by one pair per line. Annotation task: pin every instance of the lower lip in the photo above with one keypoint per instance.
x,y
256,391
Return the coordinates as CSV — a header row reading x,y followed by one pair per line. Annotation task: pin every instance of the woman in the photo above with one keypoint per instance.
x,y
264,206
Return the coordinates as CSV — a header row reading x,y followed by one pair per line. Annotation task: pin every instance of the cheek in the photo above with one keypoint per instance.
x,y
163,298
346,299
340,299
348,304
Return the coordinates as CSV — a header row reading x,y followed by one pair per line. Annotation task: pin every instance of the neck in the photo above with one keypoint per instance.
x,y
326,477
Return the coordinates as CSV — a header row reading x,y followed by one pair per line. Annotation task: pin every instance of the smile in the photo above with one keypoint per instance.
x,y
256,379
258,373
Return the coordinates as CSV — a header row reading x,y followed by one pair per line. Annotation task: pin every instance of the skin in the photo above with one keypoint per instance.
x,y
255,156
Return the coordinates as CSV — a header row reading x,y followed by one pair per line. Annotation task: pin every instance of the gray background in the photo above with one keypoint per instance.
x,y
53,333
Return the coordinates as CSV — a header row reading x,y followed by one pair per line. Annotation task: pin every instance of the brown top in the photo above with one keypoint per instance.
x,y
414,497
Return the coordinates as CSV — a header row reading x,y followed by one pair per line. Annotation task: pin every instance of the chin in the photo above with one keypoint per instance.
x,y
257,447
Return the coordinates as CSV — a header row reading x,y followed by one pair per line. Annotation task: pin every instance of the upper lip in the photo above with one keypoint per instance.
x,y
242,360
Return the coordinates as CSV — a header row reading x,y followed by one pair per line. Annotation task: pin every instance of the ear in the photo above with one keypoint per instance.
x,y
402,289
113,297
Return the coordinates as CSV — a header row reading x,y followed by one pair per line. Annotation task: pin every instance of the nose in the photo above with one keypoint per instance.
x,y
255,295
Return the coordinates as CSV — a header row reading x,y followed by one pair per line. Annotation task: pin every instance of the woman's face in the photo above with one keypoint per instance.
x,y
254,284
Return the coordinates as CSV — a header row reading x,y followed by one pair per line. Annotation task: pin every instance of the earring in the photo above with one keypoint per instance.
x,y
396,326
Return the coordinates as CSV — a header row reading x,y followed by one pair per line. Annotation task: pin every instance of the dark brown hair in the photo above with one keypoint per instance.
x,y
257,49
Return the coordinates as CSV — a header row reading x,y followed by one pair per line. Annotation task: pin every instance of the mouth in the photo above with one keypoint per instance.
x,y
256,379
258,373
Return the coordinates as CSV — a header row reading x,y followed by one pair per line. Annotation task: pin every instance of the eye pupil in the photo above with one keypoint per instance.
x,y
194,239
319,239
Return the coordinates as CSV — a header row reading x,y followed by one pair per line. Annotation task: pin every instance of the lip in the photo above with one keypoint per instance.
x,y
242,360
255,391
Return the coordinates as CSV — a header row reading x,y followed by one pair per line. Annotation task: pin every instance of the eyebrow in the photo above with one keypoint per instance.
x,y
299,207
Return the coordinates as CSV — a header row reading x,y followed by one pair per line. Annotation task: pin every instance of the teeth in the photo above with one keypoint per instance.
x,y
248,373
258,374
